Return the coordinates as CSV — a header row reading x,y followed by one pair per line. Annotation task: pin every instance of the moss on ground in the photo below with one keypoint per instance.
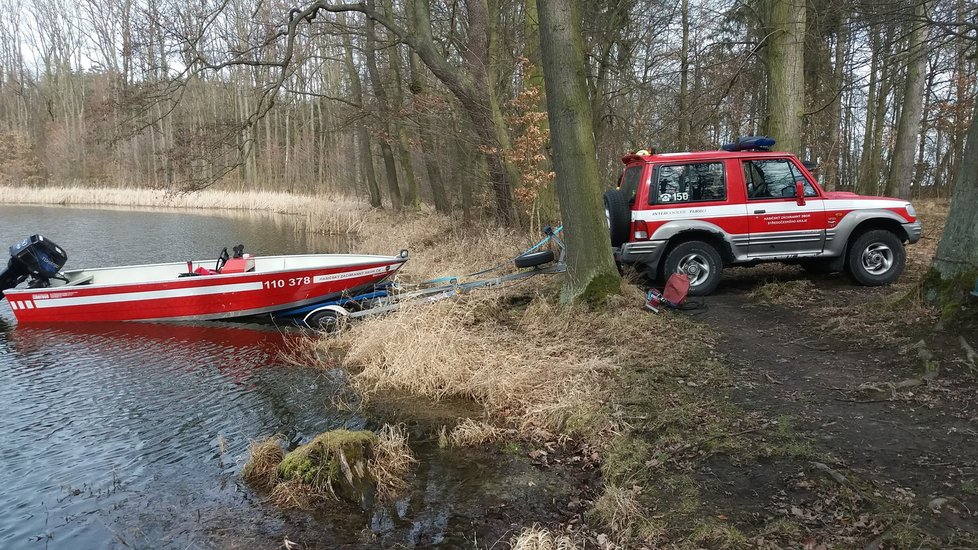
x,y
334,462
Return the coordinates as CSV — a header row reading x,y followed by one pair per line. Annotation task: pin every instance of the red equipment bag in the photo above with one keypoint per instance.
x,y
677,289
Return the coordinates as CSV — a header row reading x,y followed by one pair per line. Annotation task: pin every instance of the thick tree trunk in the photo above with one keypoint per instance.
x,y
485,113
591,272
955,266
786,72
908,129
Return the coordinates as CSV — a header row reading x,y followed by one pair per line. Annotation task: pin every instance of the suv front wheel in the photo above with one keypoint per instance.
x,y
700,261
876,258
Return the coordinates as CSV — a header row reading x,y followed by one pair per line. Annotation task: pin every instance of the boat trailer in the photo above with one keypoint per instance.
x,y
330,316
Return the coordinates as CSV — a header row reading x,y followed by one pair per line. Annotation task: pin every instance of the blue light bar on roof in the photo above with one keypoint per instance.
x,y
749,143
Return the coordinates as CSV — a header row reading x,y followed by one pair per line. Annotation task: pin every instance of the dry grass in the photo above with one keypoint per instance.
x,y
524,358
318,214
544,364
392,460
261,471
540,538
472,433
294,494
619,509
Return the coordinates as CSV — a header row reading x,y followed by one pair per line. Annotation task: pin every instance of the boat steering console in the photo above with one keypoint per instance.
x,y
34,258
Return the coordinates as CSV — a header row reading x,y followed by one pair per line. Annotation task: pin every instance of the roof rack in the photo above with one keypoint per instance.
x,y
750,143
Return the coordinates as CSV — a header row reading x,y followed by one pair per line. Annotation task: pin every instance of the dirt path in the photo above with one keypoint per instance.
x,y
915,446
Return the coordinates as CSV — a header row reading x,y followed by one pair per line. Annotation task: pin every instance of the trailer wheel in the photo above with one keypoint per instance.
x,y
533,259
327,320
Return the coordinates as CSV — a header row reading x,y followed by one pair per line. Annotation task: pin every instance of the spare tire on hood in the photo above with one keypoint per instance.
x,y
619,217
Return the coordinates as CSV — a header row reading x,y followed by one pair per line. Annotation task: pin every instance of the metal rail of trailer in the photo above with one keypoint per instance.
x,y
332,315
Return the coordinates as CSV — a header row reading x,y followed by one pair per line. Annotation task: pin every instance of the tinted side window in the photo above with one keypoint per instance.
x,y
683,183
773,179
629,183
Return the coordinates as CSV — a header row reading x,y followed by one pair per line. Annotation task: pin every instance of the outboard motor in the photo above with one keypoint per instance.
x,y
34,257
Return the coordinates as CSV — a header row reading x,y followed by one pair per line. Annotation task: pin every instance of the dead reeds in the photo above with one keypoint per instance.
x,y
471,433
262,469
392,460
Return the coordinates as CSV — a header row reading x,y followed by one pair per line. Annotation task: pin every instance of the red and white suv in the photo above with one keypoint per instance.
x,y
698,212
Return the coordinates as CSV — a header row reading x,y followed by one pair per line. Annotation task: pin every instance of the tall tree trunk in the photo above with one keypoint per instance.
x,y
908,129
362,135
920,167
684,115
390,167
866,181
786,72
835,111
404,149
419,87
545,203
591,272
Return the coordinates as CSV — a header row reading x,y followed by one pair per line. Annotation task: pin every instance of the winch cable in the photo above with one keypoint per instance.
x,y
551,234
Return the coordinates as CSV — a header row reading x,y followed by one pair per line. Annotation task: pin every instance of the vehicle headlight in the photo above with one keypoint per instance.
x,y
911,210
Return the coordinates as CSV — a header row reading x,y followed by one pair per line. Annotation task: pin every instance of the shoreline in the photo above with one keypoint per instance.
x,y
319,214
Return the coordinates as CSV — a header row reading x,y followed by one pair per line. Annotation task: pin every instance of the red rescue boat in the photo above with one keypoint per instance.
x,y
235,287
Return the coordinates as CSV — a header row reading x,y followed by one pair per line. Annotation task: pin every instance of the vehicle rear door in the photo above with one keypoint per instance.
x,y
778,222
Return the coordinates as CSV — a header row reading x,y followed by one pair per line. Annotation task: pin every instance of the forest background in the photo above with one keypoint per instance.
x,y
254,95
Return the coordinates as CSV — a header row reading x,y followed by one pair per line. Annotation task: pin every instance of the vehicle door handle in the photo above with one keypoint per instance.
x,y
760,211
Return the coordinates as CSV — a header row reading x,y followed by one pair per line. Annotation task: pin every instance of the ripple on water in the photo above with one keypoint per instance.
x,y
109,427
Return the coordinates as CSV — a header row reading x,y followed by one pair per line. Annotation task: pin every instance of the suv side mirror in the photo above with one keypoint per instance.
x,y
800,192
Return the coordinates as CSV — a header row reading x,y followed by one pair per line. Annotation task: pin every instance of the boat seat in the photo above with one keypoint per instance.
x,y
81,280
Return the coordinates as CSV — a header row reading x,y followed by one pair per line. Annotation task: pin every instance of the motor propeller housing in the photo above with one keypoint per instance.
x,y
34,257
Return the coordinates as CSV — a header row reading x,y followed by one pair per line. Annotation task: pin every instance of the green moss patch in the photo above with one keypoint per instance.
x,y
334,462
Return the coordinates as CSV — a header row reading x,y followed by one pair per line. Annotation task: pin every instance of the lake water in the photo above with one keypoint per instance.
x,y
133,435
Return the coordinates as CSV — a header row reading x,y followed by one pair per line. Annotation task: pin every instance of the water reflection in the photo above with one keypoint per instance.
x,y
99,417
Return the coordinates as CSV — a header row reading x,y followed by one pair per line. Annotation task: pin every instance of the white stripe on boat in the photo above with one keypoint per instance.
x,y
30,305
13,305
149,295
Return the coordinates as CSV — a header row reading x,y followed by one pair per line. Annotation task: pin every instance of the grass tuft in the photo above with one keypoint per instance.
x,y
261,471
472,433
392,460
619,509
536,537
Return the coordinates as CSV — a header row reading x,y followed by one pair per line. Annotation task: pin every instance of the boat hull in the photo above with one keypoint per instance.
x,y
219,296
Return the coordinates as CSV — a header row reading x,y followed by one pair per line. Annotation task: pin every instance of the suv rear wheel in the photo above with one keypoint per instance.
x,y
876,258
700,261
